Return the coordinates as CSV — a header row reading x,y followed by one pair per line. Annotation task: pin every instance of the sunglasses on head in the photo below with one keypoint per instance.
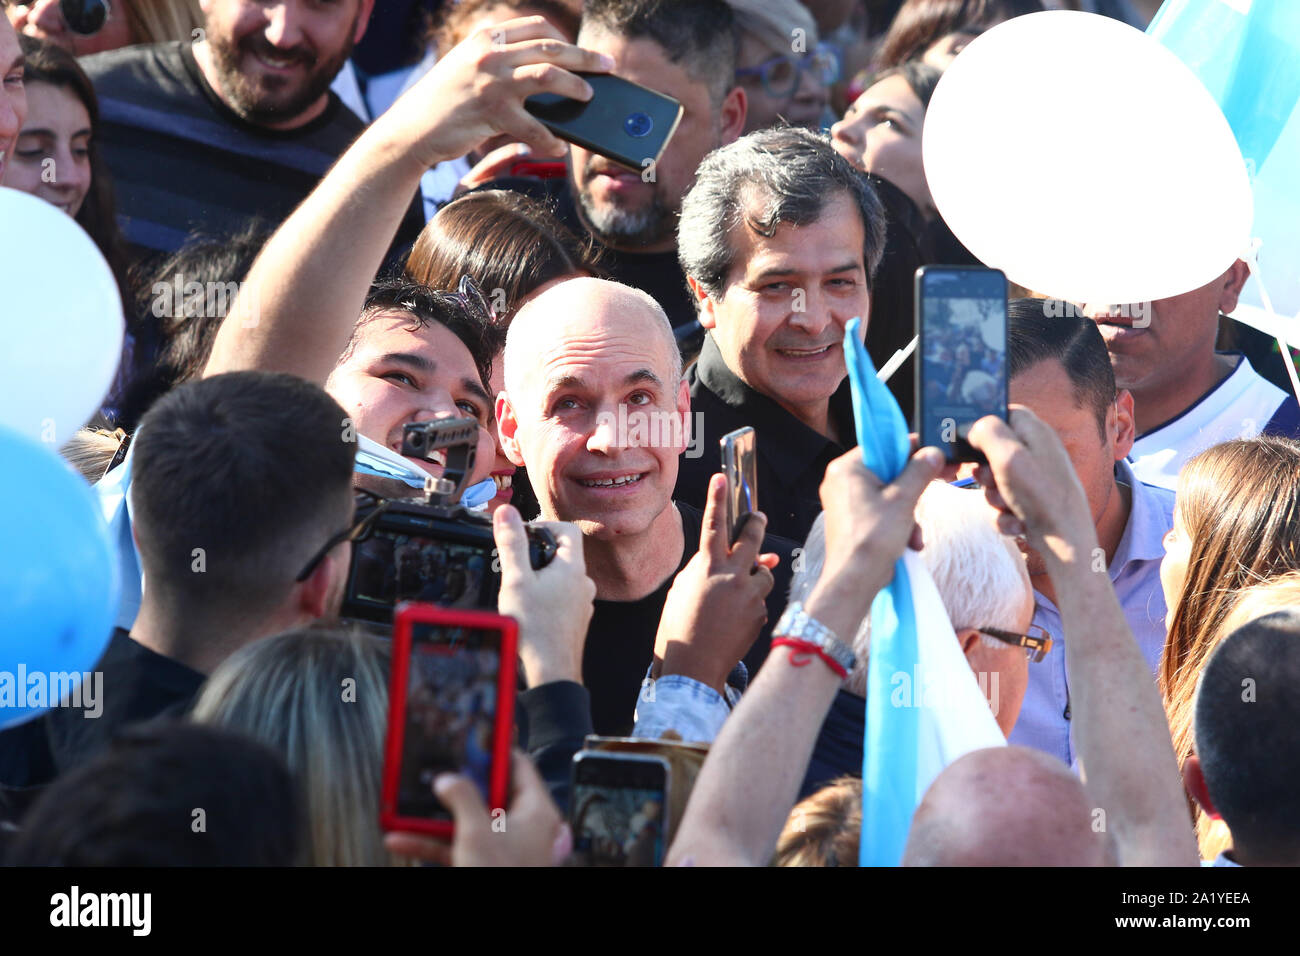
x,y
85,17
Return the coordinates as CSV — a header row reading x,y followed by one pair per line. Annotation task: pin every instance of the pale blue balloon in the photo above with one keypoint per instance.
x,y
58,582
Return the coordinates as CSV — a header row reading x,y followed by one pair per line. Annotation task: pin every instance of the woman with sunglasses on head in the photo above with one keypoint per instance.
x,y
83,27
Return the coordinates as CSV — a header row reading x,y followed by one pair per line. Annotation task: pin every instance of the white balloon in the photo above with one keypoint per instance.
x,y
60,317
1086,161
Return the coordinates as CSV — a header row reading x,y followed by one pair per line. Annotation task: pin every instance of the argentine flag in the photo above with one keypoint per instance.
x,y
924,707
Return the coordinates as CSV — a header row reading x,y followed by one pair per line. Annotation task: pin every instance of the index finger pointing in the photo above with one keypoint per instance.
x,y
713,536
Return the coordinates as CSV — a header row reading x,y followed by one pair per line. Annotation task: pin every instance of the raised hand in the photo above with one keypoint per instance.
x,y
715,607
553,605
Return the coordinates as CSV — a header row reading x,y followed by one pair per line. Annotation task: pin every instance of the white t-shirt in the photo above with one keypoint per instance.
x,y
1241,406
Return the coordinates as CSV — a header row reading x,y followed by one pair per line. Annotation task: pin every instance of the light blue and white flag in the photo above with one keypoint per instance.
x,y
1247,53
924,706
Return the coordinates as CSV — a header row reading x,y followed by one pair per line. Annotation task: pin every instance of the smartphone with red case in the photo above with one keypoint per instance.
x,y
450,710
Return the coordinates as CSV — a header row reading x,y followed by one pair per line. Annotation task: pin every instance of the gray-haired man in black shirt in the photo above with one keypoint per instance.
x,y
779,239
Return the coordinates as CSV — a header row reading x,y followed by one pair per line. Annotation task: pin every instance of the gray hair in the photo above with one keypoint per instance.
x,y
774,22
763,179
981,575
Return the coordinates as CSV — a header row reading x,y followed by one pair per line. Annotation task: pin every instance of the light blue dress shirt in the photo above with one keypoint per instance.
x,y
1044,721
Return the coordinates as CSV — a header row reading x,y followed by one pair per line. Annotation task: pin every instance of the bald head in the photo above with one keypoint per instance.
x,y
595,407
578,308
1006,806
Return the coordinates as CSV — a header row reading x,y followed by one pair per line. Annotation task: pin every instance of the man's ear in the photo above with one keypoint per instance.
x,y
1194,781
363,19
507,430
684,412
703,303
1233,282
1122,424
969,639
313,595
731,116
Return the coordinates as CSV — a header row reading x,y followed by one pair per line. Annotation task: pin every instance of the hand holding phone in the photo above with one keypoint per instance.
x,y
553,605
961,318
450,710
623,121
478,88
536,835
715,608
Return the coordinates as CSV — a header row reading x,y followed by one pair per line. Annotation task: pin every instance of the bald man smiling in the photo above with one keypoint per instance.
x,y
596,408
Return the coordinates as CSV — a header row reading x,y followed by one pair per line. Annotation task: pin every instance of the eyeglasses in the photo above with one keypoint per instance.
x,y
369,507
86,17
781,74
1036,644
469,295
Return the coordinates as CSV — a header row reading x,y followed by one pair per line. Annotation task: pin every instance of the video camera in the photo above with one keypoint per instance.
x,y
429,548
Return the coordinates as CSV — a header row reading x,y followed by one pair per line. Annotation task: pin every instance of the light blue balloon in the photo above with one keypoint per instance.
x,y
58,581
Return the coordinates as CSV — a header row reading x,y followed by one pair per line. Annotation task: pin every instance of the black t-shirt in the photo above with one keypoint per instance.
x,y
621,637
791,457
183,162
136,685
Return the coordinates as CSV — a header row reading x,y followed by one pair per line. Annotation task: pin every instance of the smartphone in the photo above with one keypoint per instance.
x,y
961,319
741,469
450,709
623,121
618,809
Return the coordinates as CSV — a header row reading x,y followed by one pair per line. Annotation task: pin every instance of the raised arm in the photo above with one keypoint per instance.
x,y
1119,724
299,302
752,775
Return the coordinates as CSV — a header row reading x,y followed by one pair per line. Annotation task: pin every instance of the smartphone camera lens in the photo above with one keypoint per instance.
x,y
637,125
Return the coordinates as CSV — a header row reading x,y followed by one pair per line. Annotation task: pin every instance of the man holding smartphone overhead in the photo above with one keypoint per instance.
x,y
686,51
775,291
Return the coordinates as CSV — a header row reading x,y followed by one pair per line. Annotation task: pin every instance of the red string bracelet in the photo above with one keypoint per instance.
x,y
808,647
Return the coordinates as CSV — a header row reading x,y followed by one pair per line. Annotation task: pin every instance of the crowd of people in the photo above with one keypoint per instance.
x,y
291,219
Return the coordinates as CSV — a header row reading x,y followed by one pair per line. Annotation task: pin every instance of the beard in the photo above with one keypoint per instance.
x,y
617,226
265,99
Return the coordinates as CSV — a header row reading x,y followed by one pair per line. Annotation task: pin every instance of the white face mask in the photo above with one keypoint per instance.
x,y
382,462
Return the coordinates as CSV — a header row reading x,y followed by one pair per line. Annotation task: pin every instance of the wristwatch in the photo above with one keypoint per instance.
x,y
798,625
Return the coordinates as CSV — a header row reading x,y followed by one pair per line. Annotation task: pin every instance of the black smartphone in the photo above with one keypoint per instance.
x,y
623,121
618,809
741,469
961,319
450,710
